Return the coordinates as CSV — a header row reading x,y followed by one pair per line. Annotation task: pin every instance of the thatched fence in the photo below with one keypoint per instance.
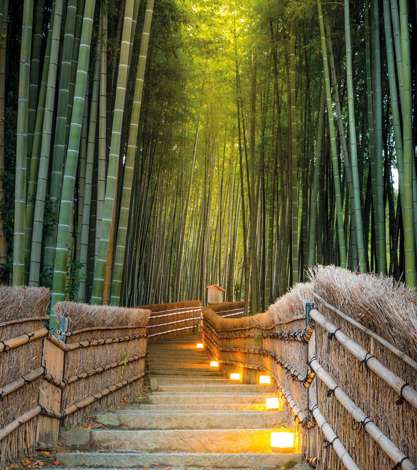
x,y
342,351
97,362
23,315
174,319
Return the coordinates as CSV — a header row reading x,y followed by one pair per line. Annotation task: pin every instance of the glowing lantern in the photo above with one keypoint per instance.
x,y
265,380
200,346
273,403
214,364
234,376
283,441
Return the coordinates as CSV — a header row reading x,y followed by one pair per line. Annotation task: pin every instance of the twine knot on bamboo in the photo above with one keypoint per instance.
x,y
397,466
333,334
367,357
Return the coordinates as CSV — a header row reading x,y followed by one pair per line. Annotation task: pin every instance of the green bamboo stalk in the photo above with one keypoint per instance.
x,y
357,210
333,147
312,239
408,155
41,190
35,71
19,272
131,156
64,238
378,157
61,132
4,14
105,247
91,147
102,129
35,151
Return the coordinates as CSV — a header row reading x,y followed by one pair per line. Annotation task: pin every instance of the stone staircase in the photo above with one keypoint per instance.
x,y
192,418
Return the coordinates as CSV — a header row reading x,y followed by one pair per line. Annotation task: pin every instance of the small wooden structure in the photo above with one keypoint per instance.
x,y
215,294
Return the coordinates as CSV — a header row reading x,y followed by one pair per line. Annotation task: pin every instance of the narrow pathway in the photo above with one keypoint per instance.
x,y
194,418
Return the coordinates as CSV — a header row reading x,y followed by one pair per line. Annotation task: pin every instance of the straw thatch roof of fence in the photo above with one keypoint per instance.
x,y
87,316
17,303
291,305
381,304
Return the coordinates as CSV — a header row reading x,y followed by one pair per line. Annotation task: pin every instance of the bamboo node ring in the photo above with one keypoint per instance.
x,y
366,358
400,401
332,334
398,464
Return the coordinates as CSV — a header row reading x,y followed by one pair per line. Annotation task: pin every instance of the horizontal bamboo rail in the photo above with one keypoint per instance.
x,y
26,417
21,321
18,341
403,389
21,382
94,342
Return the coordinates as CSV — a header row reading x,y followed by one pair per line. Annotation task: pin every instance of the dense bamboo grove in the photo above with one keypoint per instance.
x,y
150,150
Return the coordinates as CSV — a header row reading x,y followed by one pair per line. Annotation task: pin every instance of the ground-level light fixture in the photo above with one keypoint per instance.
x,y
214,363
273,403
265,379
283,441
235,376
199,346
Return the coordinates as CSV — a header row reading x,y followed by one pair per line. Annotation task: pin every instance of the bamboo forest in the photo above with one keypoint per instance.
x,y
208,234
151,148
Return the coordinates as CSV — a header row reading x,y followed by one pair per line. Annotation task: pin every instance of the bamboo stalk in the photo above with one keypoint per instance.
x,y
14,343
98,396
396,383
393,452
19,383
332,437
29,415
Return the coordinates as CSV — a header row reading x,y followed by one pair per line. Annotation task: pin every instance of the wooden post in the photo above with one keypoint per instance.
x,y
50,395
215,294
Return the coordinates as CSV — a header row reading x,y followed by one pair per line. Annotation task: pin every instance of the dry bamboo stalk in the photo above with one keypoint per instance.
x,y
19,421
171,331
104,328
13,343
23,320
19,383
98,396
94,342
172,322
153,316
396,383
100,370
393,452
336,443
407,359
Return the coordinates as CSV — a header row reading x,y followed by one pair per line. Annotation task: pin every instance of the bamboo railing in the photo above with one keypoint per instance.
x,y
174,319
352,394
229,309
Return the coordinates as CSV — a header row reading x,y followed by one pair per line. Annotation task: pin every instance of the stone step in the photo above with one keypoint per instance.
x,y
173,440
215,388
170,419
177,461
174,379
184,372
202,406
195,397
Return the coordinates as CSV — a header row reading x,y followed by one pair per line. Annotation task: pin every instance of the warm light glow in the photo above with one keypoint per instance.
x,y
214,364
200,346
284,441
273,403
234,376
265,380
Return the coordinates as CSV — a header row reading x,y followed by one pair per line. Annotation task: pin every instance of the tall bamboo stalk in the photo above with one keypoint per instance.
x,y
131,156
65,225
19,272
